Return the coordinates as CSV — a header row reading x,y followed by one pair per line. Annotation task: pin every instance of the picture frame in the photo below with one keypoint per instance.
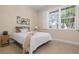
x,y
22,21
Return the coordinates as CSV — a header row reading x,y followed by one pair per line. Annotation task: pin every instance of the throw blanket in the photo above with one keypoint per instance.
x,y
26,43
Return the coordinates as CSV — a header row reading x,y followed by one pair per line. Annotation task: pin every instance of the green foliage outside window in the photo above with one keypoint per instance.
x,y
67,17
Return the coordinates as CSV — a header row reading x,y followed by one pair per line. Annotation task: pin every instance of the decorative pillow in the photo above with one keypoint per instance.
x,y
17,30
24,30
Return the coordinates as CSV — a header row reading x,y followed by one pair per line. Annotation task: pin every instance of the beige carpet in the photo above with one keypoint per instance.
x,y
53,47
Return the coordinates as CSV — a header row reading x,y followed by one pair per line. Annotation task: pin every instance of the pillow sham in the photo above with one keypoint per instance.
x,y
24,30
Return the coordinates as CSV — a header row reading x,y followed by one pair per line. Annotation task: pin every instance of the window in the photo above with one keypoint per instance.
x,y
53,19
66,16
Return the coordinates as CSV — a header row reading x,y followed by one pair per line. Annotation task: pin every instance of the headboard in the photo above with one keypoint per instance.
x,y
17,28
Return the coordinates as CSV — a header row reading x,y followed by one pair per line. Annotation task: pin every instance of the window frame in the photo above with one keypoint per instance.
x,y
59,21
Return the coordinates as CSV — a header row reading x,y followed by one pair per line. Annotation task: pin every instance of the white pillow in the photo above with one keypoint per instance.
x,y
24,30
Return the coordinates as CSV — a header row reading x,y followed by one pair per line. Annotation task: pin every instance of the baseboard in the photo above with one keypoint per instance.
x,y
68,41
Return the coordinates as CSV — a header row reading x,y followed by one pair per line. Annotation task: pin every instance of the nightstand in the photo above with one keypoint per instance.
x,y
4,40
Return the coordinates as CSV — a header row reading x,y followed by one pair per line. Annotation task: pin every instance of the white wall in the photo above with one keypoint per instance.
x,y
42,19
8,16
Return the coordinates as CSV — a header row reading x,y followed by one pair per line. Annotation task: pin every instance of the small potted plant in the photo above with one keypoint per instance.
x,y
5,33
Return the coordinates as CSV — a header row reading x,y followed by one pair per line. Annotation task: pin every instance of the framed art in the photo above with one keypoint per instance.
x,y
22,21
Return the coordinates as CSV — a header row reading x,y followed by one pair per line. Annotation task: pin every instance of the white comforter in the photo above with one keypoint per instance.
x,y
38,39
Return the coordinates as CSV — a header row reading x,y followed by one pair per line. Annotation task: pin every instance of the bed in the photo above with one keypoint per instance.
x,y
37,40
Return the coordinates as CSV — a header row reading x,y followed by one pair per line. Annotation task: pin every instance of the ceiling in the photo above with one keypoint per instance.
x,y
42,7
38,7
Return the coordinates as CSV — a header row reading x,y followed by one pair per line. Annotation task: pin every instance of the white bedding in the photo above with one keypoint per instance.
x,y
38,39
19,37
